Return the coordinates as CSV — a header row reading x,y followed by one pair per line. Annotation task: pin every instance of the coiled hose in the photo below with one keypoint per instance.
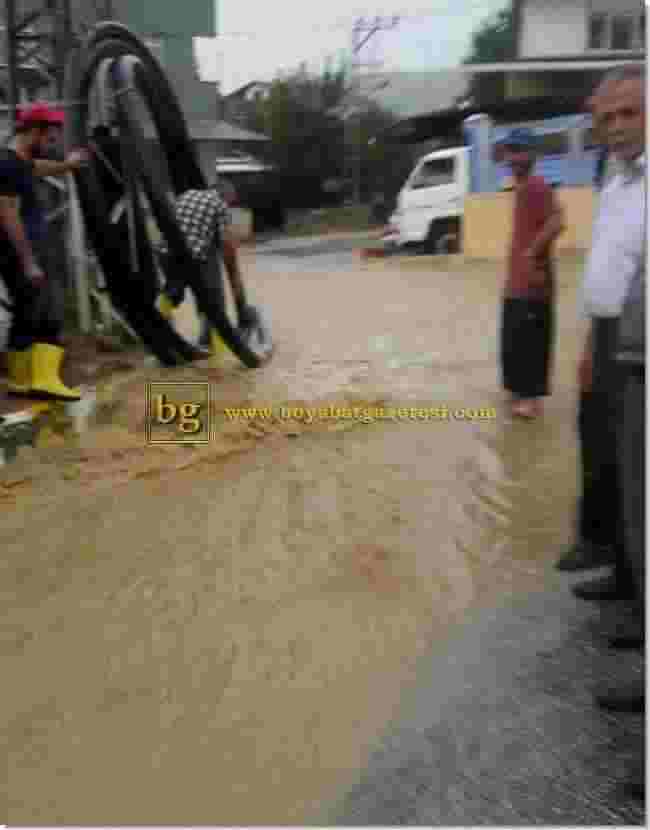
x,y
114,62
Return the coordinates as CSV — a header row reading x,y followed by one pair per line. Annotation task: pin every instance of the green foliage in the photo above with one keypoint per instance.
x,y
313,146
494,40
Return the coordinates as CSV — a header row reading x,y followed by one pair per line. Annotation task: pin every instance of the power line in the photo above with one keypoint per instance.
x,y
449,9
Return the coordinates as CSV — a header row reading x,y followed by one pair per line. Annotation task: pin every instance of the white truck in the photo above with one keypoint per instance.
x,y
430,205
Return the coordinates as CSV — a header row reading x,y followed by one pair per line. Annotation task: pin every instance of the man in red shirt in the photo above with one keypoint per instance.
x,y
529,293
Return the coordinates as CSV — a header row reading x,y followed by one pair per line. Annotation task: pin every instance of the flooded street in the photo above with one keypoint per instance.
x,y
220,634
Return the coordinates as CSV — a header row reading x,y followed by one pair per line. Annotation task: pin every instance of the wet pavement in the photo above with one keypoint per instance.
x,y
502,729
351,621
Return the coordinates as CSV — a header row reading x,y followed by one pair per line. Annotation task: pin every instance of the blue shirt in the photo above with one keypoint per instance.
x,y
17,179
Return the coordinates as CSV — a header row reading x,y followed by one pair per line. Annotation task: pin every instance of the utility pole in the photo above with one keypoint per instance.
x,y
12,60
37,45
362,31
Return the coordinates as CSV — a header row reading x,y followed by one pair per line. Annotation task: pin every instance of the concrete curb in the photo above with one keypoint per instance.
x,y
430,262
30,412
17,430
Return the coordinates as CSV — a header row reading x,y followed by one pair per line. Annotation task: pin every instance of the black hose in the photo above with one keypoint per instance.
x,y
133,293
134,72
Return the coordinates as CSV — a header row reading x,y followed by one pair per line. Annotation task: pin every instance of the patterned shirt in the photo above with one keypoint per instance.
x,y
200,213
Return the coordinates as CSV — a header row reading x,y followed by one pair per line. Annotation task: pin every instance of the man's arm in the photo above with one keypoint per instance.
x,y
552,228
12,224
585,367
75,161
230,260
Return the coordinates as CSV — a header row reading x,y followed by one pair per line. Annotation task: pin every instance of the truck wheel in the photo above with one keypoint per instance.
x,y
443,237
430,244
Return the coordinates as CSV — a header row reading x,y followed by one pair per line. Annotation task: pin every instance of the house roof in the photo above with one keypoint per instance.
x,y
609,56
408,94
449,122
216,131
571,63
222,131
242,90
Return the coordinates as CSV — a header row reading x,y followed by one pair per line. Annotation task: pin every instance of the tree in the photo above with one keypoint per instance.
x,y
310,143
306,140
495,39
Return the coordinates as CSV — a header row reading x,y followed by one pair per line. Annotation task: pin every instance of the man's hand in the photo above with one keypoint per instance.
x,y
36,275
537,269
585,371
77,159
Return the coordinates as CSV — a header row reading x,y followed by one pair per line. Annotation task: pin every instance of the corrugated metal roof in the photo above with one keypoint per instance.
x,y
222,131
216,131
547,65
413,93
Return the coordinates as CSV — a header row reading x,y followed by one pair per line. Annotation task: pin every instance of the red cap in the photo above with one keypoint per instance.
x,y
40,114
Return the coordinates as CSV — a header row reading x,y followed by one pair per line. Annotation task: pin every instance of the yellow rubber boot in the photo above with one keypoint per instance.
x,y
165,306
217,347
19,365
46,383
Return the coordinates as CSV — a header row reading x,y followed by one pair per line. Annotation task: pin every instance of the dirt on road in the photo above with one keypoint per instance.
x,y
217,634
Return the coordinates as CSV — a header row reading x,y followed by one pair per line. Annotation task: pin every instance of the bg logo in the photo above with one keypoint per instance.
x,y
178,413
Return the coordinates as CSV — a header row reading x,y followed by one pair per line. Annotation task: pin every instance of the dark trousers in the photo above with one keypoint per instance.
x,y
33,320
600,417
527,334
632,458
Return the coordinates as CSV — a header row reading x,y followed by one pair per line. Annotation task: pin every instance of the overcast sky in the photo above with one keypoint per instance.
x,y
258,40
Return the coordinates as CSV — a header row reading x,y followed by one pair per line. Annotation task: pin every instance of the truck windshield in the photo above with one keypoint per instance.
x,y
434,173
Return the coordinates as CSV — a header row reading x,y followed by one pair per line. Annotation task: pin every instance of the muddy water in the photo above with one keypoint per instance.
x,y
217,635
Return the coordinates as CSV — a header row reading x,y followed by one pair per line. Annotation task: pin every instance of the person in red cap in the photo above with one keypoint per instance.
x,y
35,352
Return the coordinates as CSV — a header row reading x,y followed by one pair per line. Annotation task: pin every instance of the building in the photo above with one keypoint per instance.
x,y
562,49
554,29
234,111
168,29
567,44
237,105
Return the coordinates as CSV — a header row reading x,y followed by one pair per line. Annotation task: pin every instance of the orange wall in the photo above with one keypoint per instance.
x,y
488,222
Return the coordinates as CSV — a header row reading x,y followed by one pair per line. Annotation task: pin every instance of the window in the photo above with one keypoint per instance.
x,y
616,32
623,31
597,31
642,29
434,173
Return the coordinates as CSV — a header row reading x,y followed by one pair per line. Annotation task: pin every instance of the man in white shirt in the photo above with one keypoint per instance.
x,y
593,544
615,258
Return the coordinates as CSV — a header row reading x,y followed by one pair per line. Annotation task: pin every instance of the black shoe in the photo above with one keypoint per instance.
x,y
634,787
585,555
609,587
631,702
631,638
